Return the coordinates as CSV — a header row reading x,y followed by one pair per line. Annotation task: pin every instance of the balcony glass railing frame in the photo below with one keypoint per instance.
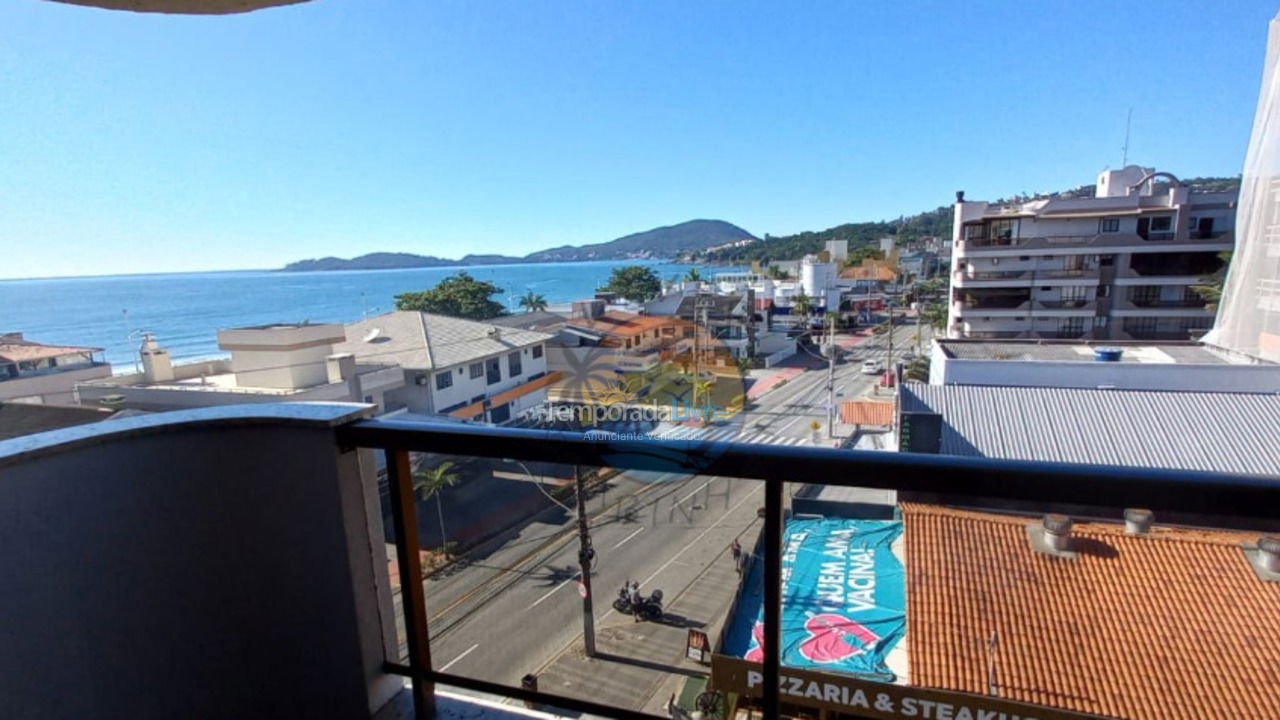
x,y
1246,496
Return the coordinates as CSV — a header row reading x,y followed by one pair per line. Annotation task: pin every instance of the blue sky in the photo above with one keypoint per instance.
x,y
140,143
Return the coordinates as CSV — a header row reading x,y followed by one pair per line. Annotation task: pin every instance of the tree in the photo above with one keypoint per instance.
x,y
533,302
744,364
636,283
702,387
458,296
801,305
693,275
427,483
935,314
1210,287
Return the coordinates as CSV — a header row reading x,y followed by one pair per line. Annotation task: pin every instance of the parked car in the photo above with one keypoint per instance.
x,y
872,367
888,379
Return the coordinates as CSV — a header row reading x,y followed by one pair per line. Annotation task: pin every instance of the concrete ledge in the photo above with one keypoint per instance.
x,y
298,414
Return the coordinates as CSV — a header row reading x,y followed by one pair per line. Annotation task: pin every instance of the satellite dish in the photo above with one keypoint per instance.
x,y
372,335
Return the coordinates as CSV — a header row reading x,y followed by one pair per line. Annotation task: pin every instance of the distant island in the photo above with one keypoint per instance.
x,y
672,241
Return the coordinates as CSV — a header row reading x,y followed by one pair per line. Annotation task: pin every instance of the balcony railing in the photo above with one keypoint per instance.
x,y
270,545
1159,303
1064,304
1190,492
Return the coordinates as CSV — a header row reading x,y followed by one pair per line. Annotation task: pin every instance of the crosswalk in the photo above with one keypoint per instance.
x,y
671,431
724,434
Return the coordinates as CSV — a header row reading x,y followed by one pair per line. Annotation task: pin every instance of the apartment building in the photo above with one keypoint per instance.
x,y
32,372
1118,265
460,368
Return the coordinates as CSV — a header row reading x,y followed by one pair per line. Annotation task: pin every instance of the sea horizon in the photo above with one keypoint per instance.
x,y
184,310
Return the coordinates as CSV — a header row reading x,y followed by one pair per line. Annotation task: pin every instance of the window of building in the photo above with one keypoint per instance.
x,y
1001,230
513,364
477,369
1144,294
1100,321
1161,223
492,371
1071,326
537,351
1109,225
444,380
1075,294
1106,260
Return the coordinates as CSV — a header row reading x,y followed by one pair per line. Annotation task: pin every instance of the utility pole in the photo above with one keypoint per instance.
x,y
888,362
586,556
831,375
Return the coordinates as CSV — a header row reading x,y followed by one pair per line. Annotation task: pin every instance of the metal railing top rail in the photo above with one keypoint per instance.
x,y
1248,496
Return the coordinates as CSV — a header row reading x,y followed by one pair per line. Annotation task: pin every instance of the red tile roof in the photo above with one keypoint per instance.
x,y
866,412
26,351
1171,626
624,324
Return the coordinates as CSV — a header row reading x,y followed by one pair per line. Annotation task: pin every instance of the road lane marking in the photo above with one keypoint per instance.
x,y
695,492
625,539
676,557
455,660
552,590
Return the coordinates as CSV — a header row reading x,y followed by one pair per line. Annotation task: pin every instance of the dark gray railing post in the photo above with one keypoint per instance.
x,y
404,516
772,595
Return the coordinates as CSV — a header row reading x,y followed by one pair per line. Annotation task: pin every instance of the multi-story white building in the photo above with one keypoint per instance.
x,y
1119,265
32,372
464,369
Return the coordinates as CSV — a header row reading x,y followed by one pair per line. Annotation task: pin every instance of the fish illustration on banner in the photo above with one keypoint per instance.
x,y
844,598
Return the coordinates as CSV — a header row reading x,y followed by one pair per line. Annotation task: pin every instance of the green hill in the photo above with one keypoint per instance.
x,y
664,242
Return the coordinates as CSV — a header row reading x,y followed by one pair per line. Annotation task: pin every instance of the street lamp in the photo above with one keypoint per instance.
x,y
586,554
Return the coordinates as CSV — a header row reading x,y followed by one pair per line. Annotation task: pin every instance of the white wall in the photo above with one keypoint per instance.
x,y
464,387
1121,375
53,388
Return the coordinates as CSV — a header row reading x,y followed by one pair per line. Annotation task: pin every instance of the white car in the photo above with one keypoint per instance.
x,y
872,367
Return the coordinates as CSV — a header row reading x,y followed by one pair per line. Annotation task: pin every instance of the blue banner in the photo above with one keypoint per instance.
x,y
843,602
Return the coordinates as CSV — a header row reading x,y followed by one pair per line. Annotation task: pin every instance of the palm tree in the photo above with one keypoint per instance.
x,y
703,387
744,365
533,302
693,275
427,483
802,305
935,314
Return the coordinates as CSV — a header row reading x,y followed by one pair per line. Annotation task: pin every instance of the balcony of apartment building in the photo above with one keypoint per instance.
x,y
992,301
233,562
1168,268
1172,301
1212,241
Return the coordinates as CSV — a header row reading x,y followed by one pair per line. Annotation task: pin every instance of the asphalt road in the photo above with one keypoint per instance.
x,y
515,604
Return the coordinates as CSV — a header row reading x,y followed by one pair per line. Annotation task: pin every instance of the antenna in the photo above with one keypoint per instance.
x,y
1127,120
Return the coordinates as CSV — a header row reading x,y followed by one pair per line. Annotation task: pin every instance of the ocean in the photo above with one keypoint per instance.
x,y
184,310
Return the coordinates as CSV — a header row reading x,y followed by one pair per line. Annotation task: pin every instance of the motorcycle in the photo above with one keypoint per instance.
x,y
650,608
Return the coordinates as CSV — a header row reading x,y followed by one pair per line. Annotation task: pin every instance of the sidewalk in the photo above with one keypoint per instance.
x,y
640,665
764,385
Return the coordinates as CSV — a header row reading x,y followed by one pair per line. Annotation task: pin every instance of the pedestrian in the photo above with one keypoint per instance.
x,y
636,600
736,549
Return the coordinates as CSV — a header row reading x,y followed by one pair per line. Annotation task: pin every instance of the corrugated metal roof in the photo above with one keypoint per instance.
x,y
1225,432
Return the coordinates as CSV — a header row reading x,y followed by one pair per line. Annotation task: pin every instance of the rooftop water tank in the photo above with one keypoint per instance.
x,y
1107,354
